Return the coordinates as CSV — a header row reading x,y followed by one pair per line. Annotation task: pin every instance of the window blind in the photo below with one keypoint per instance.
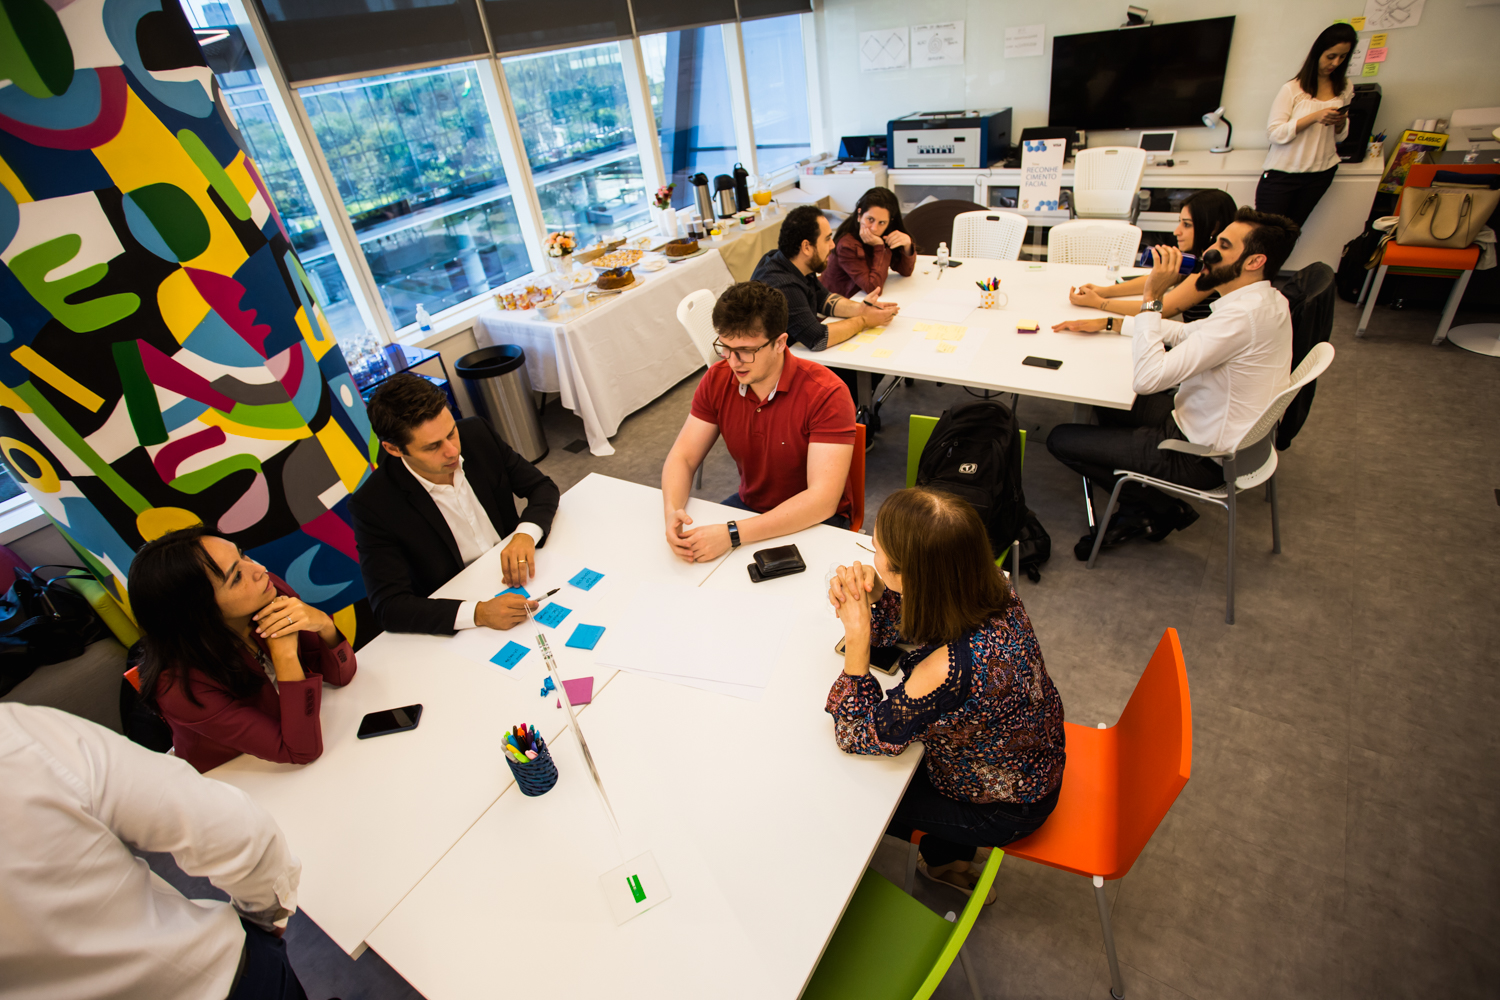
x,y
322,38
750,9
652,16
519,25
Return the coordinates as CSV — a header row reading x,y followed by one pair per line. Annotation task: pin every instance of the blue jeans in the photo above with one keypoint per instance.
x,y
954,828
733,500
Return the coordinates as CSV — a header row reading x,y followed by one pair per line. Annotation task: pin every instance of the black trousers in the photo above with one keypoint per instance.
x,y
1128,440
1292,195
955,828
267,973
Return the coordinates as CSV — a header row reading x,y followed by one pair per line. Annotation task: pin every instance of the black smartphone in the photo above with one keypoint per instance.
x,y
955,263
392,720
1037,362
882,658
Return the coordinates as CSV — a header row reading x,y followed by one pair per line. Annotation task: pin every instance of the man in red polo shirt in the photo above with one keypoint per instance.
x,y
788,423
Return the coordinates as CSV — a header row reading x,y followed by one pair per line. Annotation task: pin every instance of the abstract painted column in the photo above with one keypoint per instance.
x,y
163,361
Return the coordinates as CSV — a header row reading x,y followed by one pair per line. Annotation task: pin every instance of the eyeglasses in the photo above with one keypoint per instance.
x,y
742,356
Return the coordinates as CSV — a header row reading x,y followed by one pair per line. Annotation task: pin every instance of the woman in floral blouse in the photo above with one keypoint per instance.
x,y
975,691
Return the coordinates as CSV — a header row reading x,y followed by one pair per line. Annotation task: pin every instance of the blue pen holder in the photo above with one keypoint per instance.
x,y
535,777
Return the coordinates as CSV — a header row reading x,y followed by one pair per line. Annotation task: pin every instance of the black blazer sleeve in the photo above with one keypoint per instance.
x,y
525,480
383,563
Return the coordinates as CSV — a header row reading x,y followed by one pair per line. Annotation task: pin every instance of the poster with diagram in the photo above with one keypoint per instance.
x,y
1382,15
882,50
937,44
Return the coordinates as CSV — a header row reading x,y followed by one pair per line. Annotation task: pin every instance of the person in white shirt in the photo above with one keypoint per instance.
x,y
81,916
1218,378
1308,120
442,497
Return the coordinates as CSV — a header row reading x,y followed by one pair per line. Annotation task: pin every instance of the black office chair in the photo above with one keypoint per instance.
x,y
1310,294
932,223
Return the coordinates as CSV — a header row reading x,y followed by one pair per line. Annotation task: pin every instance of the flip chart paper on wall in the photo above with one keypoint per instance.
x,y
937,44
882,50
1027,40
1381,15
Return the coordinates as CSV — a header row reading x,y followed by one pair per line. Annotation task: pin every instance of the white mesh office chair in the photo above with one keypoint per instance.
x,y
988,234
1105,182
696,314
1257,451
1090,241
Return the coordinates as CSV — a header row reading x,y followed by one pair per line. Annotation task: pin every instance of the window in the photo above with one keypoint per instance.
x,y
9,487
690,101
574,116
776,69
416,163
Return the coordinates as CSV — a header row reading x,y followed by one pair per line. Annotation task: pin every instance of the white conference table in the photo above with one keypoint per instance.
x,y
1096,369
370,818
761,826
618,355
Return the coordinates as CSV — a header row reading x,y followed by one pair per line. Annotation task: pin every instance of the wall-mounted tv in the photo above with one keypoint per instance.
x,y
1157,76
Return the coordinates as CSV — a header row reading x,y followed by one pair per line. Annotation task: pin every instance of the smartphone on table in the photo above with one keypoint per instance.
x,y
392,720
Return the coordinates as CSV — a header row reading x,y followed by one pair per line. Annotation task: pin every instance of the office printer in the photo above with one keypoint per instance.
x,y
947,139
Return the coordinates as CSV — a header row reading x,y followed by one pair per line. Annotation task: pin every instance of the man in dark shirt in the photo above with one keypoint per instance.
x,y
803,248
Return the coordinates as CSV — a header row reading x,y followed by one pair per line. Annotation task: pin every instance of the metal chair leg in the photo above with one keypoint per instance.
x,y
1454,298
1104,521
1275,518
1364,289
1015,566
911,870
1364,317
963,960
1088,501
1117,986
1229,571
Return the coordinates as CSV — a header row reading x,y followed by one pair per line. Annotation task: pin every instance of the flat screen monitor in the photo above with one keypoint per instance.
x,y
1157,76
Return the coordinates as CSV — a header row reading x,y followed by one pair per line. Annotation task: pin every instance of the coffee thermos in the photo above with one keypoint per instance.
x,y
741,188
701,198
724,196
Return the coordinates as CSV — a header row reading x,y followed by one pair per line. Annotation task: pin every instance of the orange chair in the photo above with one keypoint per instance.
x,y
1433,262
857,477
1119,784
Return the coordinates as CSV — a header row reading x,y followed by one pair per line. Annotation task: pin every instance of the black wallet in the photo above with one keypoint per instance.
x,y
784,560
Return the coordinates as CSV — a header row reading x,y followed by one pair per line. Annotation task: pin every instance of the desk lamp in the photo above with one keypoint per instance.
x,y
1213,119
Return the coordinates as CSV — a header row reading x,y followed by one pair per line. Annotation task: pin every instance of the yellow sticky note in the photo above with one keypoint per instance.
x,y
849,347
881,354
866,338
946,347
1371,69
1378,41
1357,23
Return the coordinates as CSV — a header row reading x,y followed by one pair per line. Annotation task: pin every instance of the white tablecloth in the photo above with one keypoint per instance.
x,y
618,356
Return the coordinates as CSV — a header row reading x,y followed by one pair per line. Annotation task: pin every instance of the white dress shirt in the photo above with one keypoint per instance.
x,y
80,916
471,526
1312,149
1228,367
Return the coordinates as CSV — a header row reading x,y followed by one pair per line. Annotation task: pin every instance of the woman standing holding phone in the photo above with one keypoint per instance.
x,y
1308,118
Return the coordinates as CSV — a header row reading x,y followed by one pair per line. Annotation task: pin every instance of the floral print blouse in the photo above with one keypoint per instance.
x,y
993,730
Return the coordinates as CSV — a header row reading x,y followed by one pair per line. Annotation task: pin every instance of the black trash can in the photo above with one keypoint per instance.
x,y
501,391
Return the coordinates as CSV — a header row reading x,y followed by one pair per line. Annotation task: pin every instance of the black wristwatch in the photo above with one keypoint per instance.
x,y
734,535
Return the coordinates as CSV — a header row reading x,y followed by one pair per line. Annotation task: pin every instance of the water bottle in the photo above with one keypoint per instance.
x,y
424,321
1112,267
942,255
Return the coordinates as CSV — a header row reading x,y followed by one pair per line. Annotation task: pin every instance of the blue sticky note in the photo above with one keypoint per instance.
x,y
514,590
585,636
552,614
586,578
510,655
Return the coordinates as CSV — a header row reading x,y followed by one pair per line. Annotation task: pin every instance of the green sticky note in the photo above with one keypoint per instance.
x,y
634,881
1370,69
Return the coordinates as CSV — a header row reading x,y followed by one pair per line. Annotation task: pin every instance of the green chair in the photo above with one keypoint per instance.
x,y
918,431
888,946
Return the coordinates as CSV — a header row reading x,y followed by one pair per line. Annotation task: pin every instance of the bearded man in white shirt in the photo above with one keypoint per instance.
x,y
443,496
1217,379
82,916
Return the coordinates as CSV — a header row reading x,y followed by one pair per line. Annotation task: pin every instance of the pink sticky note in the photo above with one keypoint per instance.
x,y
580,691
1376,55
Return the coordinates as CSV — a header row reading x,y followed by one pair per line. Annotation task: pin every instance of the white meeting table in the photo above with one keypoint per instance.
x,y
761,826
1096,369
370,818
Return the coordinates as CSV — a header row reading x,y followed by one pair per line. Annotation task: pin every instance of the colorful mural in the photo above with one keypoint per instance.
x,y
163,360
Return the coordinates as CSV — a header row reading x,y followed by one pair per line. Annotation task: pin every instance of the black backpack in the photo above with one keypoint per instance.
x,y
1353,270
975,453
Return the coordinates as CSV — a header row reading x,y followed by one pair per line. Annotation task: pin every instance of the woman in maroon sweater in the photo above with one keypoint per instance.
x,y
235,662
868,244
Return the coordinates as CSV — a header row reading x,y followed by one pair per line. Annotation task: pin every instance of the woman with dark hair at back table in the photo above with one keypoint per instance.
x,y
868,245
975,692
1308,119
1199,221
235,662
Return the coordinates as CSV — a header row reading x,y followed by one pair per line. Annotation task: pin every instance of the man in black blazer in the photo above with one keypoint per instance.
x,y
440,498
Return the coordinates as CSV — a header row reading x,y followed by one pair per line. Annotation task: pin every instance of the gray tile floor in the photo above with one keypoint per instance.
x,y
1338,836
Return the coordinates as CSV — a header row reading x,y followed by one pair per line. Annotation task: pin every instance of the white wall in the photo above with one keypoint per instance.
x,y
1451,59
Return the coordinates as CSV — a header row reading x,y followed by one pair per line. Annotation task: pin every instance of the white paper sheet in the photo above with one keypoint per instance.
x,y
747,691
703,634
882,50
938,44
935,308
1027,40
1383,15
